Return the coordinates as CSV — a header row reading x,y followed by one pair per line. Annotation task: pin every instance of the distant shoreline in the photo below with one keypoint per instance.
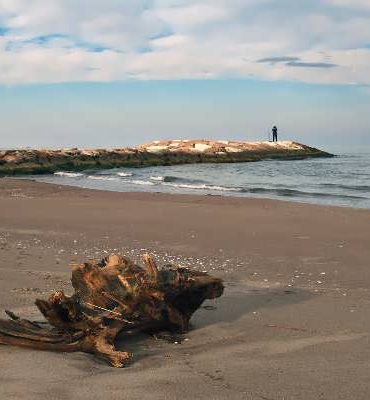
x,y
158,153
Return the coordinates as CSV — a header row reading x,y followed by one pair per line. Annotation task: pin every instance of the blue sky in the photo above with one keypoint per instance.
x,y
111,73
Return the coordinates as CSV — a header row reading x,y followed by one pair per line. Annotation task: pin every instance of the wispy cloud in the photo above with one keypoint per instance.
x,y
301,64
91,40
283,59
296,62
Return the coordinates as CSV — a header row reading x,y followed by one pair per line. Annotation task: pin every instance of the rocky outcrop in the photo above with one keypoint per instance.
x,y
160,152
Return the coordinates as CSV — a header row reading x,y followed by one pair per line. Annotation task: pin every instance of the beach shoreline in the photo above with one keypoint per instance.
x,y
340,181
293,319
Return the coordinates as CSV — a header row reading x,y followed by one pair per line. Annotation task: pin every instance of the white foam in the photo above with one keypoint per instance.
x,y
68,174
124,174
157,178
139,182
101,178
201,187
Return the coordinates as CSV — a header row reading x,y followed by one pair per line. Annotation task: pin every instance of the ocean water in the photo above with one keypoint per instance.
x,y
343,180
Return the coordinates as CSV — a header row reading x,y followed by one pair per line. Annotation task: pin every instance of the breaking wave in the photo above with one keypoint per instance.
x,y
124,174
338,181
157,178
199,185
141,182
161,182
170,179
101,178
202,187
68,174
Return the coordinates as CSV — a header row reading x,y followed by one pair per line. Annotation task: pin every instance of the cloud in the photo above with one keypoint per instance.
x,y
296,62
46,41
192,15
360,4
283,59
310,64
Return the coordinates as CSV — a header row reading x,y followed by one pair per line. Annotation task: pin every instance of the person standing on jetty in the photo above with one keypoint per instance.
x,y
274,134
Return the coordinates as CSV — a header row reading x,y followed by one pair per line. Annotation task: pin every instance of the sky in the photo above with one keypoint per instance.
x,y
94,73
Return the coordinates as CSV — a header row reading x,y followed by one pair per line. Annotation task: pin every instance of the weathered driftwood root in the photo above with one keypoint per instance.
x,y
111,297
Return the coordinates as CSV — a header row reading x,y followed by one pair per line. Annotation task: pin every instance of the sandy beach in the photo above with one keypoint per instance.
x,y
293,322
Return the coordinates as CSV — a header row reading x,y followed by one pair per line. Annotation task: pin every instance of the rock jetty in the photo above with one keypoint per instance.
x,y
159,152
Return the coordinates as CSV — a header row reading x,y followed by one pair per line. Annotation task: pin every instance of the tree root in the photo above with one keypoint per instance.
x,y
111,297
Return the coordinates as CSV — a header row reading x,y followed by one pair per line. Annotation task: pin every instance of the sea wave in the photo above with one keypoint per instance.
x,y
68,174
340,181
101,178
168,178
141,182
171,178
124,174
159,181
298,193
202,187
157,178
356,188
161,178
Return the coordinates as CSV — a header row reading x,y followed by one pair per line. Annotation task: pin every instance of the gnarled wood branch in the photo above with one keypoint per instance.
x,y
113,296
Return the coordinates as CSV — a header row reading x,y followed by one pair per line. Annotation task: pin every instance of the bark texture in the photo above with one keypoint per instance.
x,y
111,297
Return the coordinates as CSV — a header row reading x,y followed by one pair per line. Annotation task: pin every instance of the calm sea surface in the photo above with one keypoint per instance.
x,y
343,180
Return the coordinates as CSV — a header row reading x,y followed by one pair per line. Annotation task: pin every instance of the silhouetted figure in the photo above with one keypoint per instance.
x,y
274,134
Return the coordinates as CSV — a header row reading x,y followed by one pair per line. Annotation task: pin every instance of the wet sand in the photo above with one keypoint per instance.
x,y
293,322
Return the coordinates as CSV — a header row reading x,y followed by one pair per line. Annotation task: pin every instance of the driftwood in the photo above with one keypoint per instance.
x,y
112,297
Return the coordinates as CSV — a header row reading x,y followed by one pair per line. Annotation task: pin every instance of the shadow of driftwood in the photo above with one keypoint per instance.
x,y
239,300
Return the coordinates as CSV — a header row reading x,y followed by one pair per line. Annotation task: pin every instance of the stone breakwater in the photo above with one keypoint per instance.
x,y
160,152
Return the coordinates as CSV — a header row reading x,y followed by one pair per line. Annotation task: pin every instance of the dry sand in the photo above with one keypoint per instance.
x,y
293,322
